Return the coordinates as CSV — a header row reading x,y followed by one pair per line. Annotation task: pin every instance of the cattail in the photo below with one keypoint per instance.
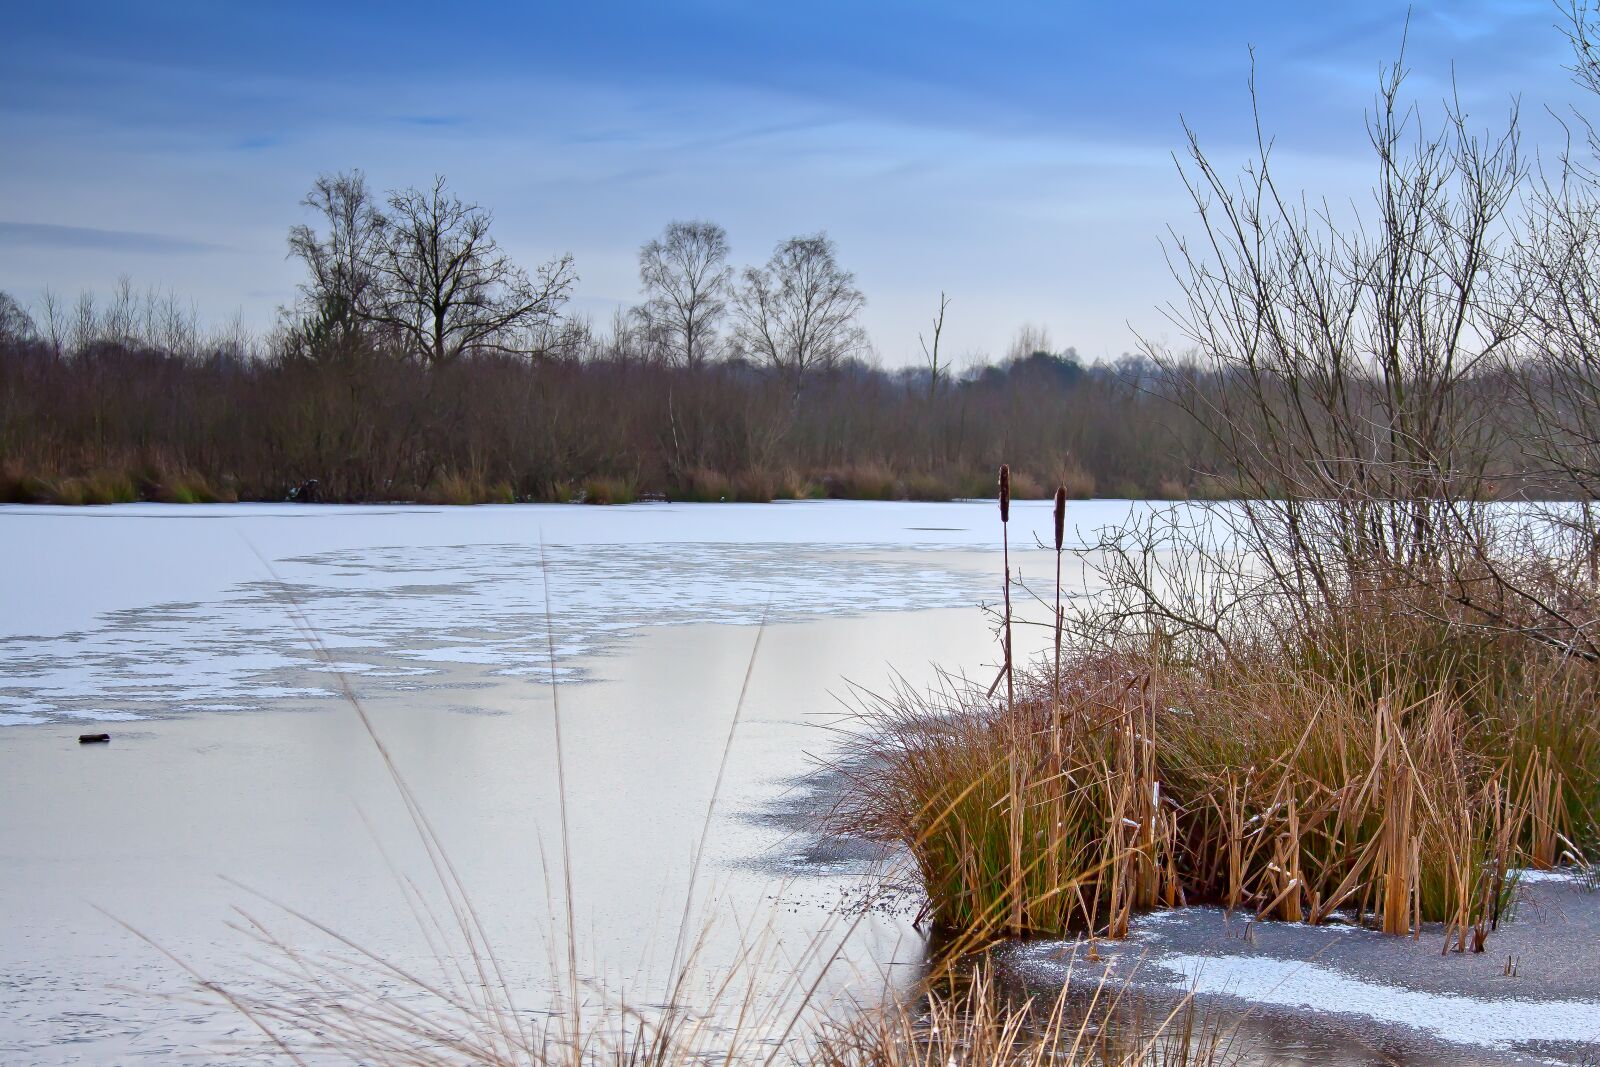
x,y
1005,492
1061,514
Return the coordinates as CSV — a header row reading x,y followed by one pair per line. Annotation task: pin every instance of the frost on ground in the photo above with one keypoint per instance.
x,y
397,595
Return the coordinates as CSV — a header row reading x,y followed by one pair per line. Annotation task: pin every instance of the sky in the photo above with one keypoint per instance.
x,y
1015,156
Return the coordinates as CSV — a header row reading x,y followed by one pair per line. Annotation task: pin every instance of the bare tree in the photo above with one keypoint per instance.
x,y
930,355
686,278
1030,340
55,320
424,271
446,287
798,312
15,322
1557,365
340,294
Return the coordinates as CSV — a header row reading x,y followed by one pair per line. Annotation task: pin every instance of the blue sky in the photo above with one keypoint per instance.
x,y
1015,155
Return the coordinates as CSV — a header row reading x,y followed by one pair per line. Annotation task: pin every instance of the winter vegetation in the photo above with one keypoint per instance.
x,y
1367,688
420,363
1350,672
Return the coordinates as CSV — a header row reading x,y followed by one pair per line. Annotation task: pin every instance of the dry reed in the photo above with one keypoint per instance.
x,y
1378,759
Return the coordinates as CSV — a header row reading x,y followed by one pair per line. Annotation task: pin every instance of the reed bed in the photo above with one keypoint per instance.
x,y
1375,760
1110,785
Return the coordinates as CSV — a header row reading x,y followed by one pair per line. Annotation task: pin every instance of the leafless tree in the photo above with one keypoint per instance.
x,y
55,320
445,286
685,277
1558,363
1029,340
930,353
798,313
340,290
423,271
15,322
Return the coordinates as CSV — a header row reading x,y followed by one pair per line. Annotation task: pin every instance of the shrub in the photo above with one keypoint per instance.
x,y
702,485
754,487
610,491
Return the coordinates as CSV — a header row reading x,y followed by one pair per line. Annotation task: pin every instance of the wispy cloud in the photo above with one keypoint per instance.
x,y
92,239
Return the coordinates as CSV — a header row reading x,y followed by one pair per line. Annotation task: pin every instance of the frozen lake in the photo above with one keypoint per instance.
x,y
211,642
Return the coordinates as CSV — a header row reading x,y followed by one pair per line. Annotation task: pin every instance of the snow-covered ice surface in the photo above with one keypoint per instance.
x,y
147,610
196,620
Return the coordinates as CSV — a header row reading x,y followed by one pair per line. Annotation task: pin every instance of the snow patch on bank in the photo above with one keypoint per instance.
x,y
1500,1023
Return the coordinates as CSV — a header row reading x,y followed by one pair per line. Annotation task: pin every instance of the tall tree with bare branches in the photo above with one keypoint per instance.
x,y
445,287
685,277
798,313
15,322
339,261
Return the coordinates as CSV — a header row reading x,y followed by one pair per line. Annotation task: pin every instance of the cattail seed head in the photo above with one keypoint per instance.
x,y
1061,514
1005,492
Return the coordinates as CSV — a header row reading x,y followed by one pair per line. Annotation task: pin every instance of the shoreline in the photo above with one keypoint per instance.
x,y
1278,983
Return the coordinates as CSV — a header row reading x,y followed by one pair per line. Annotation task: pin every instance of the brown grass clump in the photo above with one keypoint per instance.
x,y
1026,487
755,487
1042,815
1078,483
931,486
610,491
1301,800
1373,755
458,489
862,481
702,485
1072,807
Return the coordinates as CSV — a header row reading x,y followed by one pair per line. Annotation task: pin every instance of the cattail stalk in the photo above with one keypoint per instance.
x,y
1005,546
1014,767
1061,525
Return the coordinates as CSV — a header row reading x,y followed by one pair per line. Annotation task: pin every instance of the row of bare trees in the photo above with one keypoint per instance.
x,y
797,313
119,418
420,274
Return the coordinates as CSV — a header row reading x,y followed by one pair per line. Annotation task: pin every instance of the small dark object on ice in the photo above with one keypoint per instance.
x,y
305,492
91,739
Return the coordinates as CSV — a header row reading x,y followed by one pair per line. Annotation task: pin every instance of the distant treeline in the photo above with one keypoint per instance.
x,y
419,362
113,420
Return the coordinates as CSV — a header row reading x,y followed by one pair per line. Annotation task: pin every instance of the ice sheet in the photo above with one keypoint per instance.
x,y
149,610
